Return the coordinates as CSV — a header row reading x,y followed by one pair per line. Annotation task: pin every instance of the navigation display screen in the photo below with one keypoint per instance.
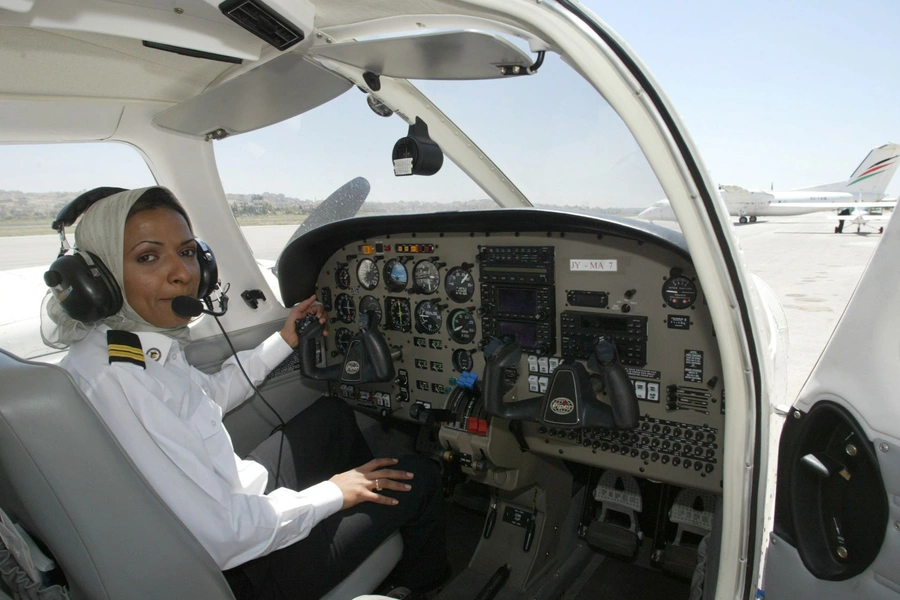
x,y
525,333
517,301
603,322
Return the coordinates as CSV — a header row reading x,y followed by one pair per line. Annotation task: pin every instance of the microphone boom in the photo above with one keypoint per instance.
x,y
186,306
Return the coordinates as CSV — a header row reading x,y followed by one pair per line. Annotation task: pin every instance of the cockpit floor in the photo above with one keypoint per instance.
x,y
615,579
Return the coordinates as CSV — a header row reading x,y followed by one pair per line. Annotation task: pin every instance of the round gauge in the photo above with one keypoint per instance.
x,y
342,277
395,276
398,314
461,326
426,276
370,304
342,339
367,273
460,284
428,317
679,292
346,309
462,360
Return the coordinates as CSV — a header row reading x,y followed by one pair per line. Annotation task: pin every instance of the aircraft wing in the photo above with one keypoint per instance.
x,y
860,216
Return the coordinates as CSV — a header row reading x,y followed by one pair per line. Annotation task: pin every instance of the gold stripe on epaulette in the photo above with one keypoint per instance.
x,y
129,351
125,346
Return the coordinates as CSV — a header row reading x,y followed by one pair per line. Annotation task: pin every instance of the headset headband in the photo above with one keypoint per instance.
x,y
74,209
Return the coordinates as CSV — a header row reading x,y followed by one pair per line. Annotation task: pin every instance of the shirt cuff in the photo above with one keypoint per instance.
x,y
326,498
274,350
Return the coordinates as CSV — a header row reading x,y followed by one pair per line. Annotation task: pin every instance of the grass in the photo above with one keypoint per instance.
x,y
14,227
17,227
270,220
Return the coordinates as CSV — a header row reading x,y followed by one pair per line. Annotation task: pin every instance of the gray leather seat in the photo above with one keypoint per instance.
x,y
65,479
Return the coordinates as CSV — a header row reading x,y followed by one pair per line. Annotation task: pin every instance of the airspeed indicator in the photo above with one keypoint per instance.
x,y
367,273
679,292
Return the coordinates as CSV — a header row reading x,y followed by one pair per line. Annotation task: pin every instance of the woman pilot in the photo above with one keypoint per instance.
x,y
332,503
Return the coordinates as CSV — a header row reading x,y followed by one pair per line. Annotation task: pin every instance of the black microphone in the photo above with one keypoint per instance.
x,y
186,306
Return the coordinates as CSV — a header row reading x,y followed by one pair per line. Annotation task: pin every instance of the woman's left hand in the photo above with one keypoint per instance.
x,y
310,306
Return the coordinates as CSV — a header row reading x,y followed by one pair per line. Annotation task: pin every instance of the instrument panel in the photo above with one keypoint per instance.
x,y
438,296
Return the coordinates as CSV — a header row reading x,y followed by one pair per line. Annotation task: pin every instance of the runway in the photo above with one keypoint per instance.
x,y
811,270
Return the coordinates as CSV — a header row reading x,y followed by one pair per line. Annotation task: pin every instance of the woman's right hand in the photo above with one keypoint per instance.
x,y
310,306
362,484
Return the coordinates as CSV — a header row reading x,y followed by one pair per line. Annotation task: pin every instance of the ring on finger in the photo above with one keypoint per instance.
x,y
377,486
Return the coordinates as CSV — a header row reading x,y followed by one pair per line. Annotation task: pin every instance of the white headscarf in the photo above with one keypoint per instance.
x,y
101,230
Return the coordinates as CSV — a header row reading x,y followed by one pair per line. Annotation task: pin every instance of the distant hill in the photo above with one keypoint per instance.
x,y
34,211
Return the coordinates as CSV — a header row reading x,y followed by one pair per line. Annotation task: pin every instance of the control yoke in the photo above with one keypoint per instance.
x,y
367,359
570,400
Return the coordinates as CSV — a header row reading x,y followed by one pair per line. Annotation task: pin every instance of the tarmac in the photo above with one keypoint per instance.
x,y
813,272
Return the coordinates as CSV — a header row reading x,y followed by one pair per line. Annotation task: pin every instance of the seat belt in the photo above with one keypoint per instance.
x,y
23,566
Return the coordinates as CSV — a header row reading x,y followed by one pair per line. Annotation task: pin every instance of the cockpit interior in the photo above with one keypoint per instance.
x,y
563,366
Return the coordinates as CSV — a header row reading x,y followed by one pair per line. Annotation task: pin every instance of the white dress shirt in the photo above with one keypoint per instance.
x,y
168,418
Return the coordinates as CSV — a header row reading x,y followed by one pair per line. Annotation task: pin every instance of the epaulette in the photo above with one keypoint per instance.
x,y
125,346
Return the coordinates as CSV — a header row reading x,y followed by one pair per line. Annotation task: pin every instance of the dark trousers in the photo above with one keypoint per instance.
x,y
319,442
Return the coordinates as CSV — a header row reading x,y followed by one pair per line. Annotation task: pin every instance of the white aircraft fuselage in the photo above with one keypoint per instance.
x,y
787,203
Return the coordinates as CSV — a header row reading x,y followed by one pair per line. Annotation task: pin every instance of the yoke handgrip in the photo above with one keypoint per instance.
x,y
622,399
379,354
498,355
308,329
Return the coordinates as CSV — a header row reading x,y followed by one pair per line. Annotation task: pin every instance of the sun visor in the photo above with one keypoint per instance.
x,y
450,55
23,121
277,90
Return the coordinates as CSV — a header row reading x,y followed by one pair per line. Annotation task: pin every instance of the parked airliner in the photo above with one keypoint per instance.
x,y
864,189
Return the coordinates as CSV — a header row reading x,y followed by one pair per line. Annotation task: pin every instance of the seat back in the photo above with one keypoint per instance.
x,y
66,480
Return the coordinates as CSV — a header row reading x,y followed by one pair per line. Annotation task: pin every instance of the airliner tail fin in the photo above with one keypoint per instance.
x,y
871,177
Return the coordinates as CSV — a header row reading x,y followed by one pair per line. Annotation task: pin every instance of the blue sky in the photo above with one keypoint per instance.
x,y
793,93
788,94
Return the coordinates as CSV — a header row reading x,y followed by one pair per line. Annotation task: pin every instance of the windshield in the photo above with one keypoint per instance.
x,y
32,175
550,133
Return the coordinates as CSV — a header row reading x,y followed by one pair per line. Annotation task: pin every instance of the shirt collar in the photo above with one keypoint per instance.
x,y
157,346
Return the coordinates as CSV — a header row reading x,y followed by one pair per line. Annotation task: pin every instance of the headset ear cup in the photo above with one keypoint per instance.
x,y
106,276
84,287
209,271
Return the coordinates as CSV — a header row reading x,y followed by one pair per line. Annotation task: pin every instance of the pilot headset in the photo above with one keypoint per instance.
x,y
85,287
